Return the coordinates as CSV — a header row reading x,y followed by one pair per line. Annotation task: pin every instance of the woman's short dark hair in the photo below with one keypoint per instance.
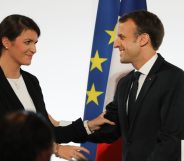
x,y
13,25
23,136
149,23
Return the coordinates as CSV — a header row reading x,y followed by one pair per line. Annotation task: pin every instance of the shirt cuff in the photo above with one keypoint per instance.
x,y
65,123
87,127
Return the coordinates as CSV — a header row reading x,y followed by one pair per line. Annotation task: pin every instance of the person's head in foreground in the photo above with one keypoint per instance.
x,y
25,136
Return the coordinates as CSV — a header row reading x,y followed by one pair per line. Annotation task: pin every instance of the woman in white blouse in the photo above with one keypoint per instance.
x,y
20,90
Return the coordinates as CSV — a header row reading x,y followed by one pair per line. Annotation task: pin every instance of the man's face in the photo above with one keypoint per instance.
x,y
127,42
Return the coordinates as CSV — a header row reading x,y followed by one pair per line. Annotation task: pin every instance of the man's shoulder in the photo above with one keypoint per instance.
x,y
172,67
163,66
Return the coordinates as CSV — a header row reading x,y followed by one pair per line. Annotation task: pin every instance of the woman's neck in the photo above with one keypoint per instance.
x,y
10,69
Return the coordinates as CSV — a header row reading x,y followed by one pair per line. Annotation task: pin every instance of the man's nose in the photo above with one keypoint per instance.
x,y
116,43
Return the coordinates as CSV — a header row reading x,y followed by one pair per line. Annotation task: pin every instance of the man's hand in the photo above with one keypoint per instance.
x,y
98,121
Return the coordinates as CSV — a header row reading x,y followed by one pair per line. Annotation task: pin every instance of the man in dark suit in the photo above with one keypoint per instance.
x,y
148,110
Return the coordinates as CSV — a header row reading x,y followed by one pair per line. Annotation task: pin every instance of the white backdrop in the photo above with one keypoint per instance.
x,y
64,48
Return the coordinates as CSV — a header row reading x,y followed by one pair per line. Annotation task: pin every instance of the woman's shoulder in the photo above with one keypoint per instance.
x,y
28,75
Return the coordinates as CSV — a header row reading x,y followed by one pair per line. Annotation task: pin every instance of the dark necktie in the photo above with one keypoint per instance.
x,y
132,94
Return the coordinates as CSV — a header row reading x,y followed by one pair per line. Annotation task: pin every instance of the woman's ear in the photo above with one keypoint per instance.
x,y
5,42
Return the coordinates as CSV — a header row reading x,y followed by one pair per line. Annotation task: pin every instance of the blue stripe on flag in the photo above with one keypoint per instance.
x,y
128,6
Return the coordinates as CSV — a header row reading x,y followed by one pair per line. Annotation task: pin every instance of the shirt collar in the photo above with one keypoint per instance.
x,y
148,65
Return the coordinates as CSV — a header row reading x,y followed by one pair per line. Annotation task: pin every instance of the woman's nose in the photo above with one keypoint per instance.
x,y
33,48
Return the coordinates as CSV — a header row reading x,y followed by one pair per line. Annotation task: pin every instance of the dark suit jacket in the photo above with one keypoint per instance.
x,y
156,130
9,102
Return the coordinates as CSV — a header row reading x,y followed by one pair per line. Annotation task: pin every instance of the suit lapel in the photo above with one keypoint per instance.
x,y
8,93
11,99
35,92
145,88
125,88
149,81
31,90
150,78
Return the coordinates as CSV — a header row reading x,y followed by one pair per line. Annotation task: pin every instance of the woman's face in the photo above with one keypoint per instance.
x,y
22,49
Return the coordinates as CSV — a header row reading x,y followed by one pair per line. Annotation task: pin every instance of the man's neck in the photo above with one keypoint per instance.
x,y
143,59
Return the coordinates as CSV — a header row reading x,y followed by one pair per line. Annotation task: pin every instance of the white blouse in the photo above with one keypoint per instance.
x,y
20,89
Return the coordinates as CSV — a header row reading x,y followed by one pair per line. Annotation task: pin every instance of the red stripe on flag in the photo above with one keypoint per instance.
x,y
107,152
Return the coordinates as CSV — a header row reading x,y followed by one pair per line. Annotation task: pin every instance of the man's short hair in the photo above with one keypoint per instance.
x,y
147,22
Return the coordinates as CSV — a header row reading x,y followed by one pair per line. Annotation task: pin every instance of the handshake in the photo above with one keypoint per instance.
x,y
73,153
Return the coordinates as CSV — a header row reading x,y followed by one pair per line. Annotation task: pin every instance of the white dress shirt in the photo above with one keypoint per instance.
x,y
144,70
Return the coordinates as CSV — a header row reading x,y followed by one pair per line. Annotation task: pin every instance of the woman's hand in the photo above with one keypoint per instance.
x,y
69,152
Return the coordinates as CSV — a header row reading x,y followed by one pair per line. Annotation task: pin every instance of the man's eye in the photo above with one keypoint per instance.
x,y
27,42
122,37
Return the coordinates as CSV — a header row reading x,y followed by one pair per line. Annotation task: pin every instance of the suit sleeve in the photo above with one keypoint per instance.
x,y
169,138
74,132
